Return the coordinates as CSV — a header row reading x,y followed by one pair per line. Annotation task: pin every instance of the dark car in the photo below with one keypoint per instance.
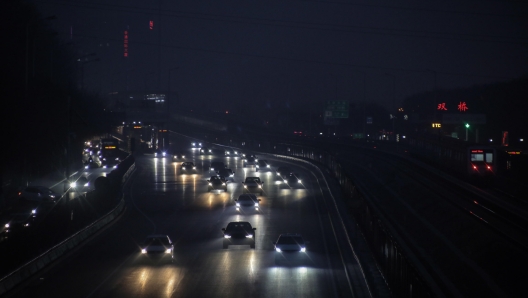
x,y
226,173
231,152
158,246
39,194
253,184
187,167
206,151
290,242
247,202
262,165
216,183
178,155
291,178
283,171
217,166
20,215
239,233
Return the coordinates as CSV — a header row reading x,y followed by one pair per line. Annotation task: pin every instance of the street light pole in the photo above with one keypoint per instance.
x,y
169,97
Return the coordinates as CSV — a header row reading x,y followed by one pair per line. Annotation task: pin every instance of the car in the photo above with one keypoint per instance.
x,y
196,145
80,183
217,166
216,183
247,202
226,173
291,178
206,151
253,184
239,233
20,215
158,246
187,166
162,153
39,194
93,162
178,155
231,152
283,171
262,165
290,242
110,162
250,161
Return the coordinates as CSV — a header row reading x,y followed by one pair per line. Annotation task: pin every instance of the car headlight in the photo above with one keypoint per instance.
x,y
256,204
87,183
260,186
245,186
210,184
238,204
199,144
299,180
257,166
143,250
209,150
26,225
104,167
73,184
117,158
34,211
249,236
285,181
194,144
194,168
268,166
236,152
303,249
212,169
227,236
183,168
168,250
223,183
86,167
52,196
164,153
104,158
277,249
6,225
183,156
115,167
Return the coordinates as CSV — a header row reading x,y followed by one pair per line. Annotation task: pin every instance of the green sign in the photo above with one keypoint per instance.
x,y
336,109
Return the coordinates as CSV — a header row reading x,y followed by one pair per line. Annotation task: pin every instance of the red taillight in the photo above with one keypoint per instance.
x,y
474,167
19,193
489,168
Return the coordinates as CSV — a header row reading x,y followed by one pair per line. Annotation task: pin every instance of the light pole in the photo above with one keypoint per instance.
x,y
435,98
169,92
393,117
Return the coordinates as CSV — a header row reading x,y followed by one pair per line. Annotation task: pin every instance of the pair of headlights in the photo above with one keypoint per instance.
x,y
303,249
167,251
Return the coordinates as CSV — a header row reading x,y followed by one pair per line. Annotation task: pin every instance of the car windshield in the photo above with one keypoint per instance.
x,y
187,164
290,240
253,179
157,241
245,199
215,178
238,226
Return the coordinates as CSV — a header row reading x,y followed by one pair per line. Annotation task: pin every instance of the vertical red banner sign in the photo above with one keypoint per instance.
x,y
125,44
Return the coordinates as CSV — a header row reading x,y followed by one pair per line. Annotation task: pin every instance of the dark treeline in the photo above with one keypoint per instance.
x,y
40,78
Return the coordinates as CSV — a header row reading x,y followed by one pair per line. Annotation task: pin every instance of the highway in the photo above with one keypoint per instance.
x,y
162,200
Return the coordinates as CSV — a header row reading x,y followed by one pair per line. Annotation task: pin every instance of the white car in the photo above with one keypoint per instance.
x,y
158,246
290,242
253,184
39,194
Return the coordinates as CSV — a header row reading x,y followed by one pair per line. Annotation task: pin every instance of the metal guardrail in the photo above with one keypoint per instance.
x,y
27,270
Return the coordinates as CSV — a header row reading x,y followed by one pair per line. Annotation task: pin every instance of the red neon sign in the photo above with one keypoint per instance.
x,y
151,25
462,107
442,106
125,44
477,151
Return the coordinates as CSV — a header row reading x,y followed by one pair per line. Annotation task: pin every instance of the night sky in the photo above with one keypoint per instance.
x,y
295,52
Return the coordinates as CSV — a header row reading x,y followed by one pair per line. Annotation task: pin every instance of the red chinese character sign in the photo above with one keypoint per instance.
x,y
442,107
125,44
462,107
151,25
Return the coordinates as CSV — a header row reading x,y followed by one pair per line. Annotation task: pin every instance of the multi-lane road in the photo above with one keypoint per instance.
x,y
160,199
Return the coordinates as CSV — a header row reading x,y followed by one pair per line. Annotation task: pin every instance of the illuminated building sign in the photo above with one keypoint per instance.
x,y
137,126
110,147
477,151
462,107
436,125
151,25
514,152
125,44
162,130
442,106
